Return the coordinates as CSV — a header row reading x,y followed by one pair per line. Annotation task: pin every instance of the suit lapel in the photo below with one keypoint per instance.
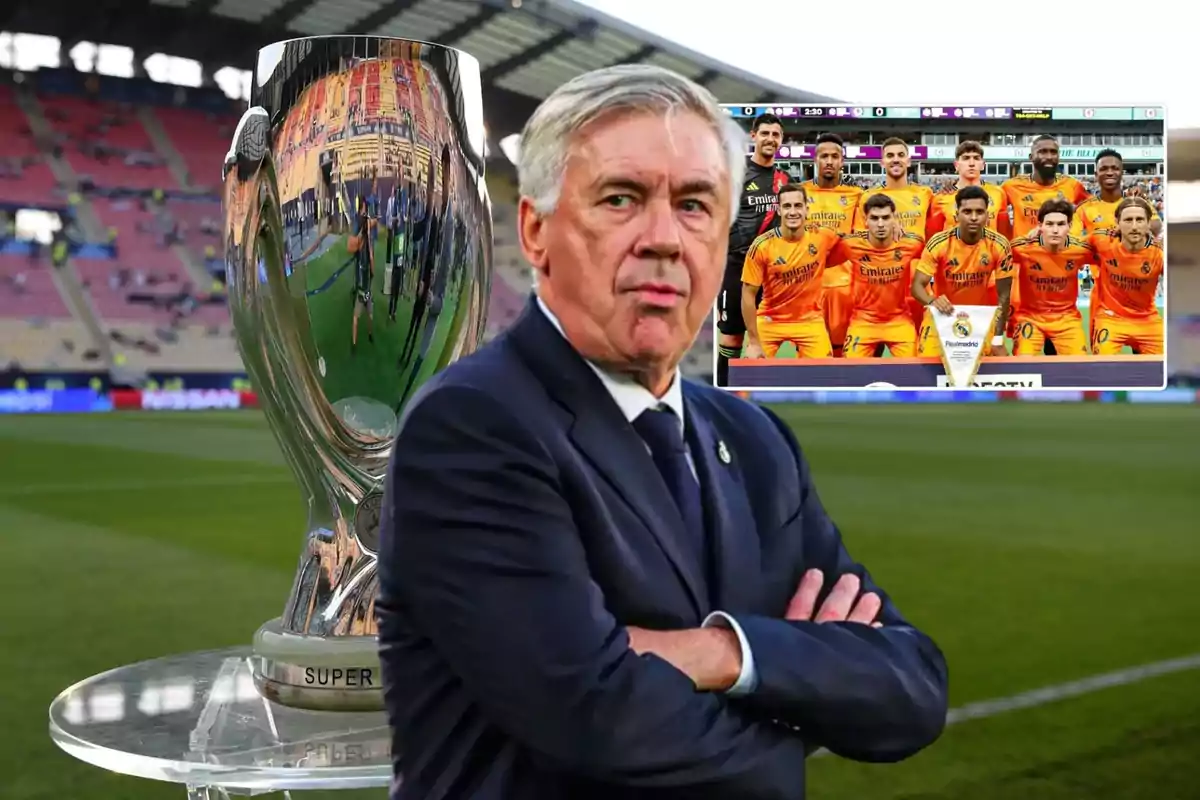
x,y
735,552
610,444
619,454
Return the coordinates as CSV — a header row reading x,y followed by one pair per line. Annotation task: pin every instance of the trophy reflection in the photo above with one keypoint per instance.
x,y
356,174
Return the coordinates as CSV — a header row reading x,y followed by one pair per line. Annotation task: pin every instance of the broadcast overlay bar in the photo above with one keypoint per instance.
x,y
1032,372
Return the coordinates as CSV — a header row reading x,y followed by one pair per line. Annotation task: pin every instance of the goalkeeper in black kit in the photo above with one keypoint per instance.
x,y
756,214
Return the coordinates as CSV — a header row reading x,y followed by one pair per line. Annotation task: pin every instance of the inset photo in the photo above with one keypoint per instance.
x,y
947,247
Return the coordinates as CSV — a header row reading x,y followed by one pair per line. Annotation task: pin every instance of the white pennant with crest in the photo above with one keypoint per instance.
x,y
965,335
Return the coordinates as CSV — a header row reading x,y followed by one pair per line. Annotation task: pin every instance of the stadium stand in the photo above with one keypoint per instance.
x,y
25,177
104,143
149,288
131,166
29,292
198,139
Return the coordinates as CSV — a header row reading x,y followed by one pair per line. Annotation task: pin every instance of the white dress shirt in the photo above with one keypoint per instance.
x,y
633,399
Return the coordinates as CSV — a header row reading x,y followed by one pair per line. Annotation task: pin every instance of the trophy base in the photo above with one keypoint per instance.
x,y
319,673
203,726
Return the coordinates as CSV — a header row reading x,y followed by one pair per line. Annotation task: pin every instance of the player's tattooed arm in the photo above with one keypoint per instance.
x,y
920,290
1003,297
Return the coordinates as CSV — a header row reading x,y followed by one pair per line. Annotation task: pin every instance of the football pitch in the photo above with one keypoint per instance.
x,y
1038,544
374,370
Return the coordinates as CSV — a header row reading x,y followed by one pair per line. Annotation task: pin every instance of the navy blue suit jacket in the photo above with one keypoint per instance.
x,y
525,525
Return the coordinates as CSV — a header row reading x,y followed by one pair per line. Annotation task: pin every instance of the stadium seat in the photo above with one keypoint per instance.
x,y
28,291
57,344
201,139
30,179
134,161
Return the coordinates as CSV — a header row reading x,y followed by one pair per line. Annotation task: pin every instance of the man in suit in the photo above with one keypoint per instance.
x,y
600,580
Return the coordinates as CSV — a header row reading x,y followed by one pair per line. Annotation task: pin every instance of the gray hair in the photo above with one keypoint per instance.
x,y
549,133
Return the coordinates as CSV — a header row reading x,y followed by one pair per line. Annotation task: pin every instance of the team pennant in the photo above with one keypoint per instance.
x,y
964,335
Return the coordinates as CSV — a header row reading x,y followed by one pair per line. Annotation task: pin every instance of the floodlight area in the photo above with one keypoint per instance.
x,y
1183,201
27,52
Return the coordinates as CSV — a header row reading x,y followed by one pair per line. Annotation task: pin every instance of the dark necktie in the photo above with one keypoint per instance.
x,y
660,429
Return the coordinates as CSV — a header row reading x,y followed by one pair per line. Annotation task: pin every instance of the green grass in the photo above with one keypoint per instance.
x,y
372,370
1037,543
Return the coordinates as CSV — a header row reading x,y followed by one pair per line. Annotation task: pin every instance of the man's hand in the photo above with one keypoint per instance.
x,y
711,657
842,605
997,350
943,304
753,350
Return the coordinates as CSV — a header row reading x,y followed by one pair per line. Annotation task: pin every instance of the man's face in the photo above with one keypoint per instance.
x,y
1109,172
972,216
969,166
1055,228
895,161
793,210
879,224
829,161
1134,226
767,140
631,258
1044,157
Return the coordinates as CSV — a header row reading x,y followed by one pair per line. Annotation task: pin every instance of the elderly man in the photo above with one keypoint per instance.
x,y
598,579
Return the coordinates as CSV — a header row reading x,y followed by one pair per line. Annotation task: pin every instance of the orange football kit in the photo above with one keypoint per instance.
x,y
914,208
790,274
1026,197
881,280
965,273
1049,284
1123,311
834,209
1096,215
943,214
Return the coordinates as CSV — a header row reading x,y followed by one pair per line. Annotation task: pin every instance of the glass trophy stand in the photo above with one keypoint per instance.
x,y
197,720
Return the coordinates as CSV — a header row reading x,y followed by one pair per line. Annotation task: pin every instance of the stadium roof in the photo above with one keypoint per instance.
x,y
1183,155
525,47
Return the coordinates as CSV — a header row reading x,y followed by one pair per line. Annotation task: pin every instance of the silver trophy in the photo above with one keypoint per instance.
x,y
358,239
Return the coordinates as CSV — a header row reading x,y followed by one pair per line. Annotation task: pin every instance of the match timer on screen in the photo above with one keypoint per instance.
x,y
1033,113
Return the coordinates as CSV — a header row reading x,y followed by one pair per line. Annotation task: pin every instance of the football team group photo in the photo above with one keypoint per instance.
x,y
965,247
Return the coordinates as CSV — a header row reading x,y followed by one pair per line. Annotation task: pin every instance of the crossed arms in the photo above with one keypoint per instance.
x,y
490,566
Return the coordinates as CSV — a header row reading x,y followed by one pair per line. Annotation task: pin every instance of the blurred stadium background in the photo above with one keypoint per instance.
x,y
1064,555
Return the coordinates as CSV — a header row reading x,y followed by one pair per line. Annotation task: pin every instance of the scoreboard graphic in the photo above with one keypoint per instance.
x,y
992,125
981,113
